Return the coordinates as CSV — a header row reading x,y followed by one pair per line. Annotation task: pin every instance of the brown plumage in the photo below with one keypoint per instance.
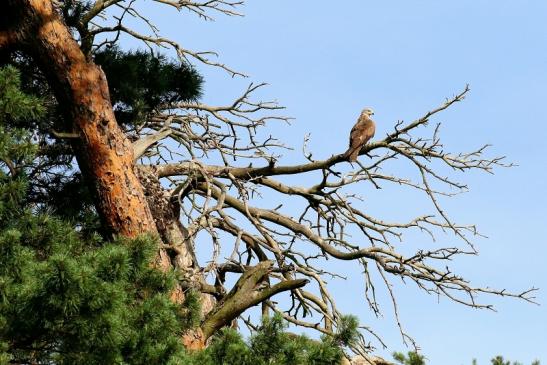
x,y
360,134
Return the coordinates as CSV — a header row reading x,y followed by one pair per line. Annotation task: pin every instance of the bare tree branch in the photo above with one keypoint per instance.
x,y
330,217
216,163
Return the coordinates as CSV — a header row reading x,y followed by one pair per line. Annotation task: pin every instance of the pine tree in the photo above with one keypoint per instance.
x,y
67,296
271,345
66,299
122,186
413,358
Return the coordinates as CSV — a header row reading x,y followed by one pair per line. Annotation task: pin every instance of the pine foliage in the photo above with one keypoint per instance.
x,y
413,358
69,300
16,148
67,296
139,82
270,345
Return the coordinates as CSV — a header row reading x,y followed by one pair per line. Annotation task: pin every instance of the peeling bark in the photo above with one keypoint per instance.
x,y
173,234
104,153
130,202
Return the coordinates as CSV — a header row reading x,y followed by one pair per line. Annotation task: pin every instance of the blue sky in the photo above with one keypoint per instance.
x,y
326,60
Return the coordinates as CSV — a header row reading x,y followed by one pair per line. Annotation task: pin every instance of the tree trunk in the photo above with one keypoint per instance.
x,y
104,153
174,235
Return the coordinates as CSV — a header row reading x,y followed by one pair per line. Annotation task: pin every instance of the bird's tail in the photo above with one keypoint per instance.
x,y
352,154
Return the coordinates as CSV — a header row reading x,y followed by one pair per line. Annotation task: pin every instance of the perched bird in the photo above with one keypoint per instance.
x,y
360,134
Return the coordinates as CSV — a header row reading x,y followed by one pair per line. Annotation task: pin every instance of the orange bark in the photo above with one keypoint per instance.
x,y
104,153
194,340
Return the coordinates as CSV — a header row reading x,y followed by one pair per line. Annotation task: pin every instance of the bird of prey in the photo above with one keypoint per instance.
x,y
360,134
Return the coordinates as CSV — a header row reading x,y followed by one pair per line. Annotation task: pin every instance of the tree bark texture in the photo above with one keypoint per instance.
x,y
104,154
165,211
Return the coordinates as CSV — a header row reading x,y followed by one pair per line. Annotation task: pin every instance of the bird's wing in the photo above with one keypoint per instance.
x,y
357,137
362,132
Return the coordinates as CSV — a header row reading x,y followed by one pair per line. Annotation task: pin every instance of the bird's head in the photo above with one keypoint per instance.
x,y
367,111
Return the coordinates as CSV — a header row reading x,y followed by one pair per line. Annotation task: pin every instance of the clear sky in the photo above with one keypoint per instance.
x,y
326,60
